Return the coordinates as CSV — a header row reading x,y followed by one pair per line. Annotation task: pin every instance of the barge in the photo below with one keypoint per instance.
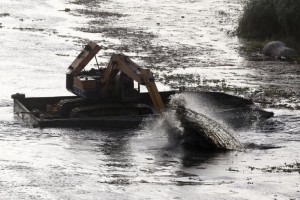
x,y
41,112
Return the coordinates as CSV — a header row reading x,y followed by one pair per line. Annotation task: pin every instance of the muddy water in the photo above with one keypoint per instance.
x,y
187,43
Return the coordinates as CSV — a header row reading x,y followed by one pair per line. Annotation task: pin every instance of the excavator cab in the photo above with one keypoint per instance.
x,y
84,83
122,87
87,84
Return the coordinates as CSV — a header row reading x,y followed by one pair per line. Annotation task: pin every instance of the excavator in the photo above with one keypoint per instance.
x,y
110,90
111,97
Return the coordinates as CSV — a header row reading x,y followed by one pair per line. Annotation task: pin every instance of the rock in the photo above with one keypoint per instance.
x,y
279,50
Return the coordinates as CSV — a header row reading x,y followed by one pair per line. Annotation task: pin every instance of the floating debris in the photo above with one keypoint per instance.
x,y
4,14
286,168
202,132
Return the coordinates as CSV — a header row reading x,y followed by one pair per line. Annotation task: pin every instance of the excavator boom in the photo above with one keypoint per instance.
x,y
124,64
86,55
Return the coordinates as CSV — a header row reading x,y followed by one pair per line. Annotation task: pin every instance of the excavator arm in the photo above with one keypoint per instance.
x,y
121,63
152,89
85,56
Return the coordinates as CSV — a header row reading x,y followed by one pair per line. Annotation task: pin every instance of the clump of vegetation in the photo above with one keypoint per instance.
x,y
4,14
286,168
276,19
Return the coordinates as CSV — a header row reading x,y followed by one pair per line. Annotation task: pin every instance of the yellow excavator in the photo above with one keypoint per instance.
x,y
110,90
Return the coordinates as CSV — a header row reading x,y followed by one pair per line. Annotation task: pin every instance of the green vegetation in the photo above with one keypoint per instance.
x,y
271,19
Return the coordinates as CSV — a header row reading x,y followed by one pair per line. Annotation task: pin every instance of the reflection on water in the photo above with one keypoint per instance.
x,y
69,163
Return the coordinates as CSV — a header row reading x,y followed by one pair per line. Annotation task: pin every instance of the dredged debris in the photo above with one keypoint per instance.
x,y
202,132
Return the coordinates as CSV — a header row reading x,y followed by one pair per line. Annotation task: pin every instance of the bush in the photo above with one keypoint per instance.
x,y
263,19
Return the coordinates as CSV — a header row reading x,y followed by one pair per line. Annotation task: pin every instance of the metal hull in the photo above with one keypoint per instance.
x,y
25,108
234,110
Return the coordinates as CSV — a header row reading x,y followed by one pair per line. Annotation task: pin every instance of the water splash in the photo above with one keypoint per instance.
x,y
199,130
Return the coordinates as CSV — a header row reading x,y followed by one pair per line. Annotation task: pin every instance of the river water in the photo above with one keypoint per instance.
x,y
185,43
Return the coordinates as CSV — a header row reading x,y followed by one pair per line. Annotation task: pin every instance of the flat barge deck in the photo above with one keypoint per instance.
x,y
37,111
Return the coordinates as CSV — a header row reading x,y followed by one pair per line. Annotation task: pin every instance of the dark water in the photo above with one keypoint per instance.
x,y
38,42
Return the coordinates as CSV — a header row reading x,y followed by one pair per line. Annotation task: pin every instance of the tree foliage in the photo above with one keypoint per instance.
x,y
264,19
